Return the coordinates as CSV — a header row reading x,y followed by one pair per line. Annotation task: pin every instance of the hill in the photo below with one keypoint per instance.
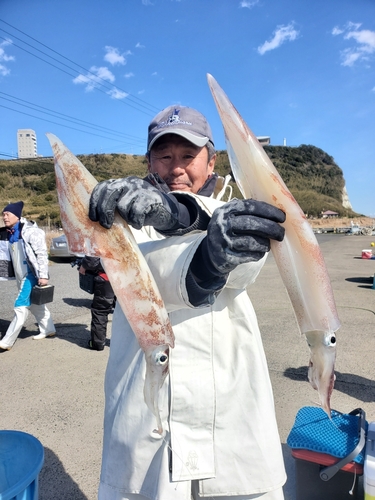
x,y
312,176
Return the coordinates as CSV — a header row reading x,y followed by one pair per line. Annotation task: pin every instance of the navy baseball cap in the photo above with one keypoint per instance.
x,y
181,120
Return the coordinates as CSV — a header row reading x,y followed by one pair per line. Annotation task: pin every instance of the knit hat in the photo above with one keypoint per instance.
x,y
181,120
14,208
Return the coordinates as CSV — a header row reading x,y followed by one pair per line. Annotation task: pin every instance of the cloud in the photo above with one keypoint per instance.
x,y
365,38
248,4
349,57
129,75
95,78
117,94
337,31
4,70
147,2
363,47
281,35
113,56
139,46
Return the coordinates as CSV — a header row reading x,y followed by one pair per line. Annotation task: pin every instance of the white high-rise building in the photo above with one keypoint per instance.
x,y
26,142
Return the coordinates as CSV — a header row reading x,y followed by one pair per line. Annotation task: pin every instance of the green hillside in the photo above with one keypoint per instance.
x,y
311,175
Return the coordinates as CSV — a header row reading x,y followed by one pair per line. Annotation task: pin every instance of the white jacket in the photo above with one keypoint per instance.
x,y
216,406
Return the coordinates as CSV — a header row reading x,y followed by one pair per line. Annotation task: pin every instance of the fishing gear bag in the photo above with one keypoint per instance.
x,y
329,453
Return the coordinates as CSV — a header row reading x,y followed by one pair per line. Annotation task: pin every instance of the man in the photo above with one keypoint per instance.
x,y
24,255
221,438
102,304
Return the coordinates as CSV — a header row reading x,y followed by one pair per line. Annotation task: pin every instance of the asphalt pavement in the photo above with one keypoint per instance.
x,y
53,388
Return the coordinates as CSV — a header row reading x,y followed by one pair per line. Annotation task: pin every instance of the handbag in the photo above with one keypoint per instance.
x,y
42,294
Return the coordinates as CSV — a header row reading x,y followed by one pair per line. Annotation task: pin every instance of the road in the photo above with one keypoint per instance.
x,y
53,388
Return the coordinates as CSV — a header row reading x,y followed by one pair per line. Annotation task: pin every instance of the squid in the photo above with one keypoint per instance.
x,y
298,256
124,264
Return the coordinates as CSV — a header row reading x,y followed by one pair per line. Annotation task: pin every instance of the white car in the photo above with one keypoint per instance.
x,y
59,248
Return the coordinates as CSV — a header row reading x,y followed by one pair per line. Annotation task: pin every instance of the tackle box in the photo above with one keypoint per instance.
x,y
328,453
42,294
369,468
86,282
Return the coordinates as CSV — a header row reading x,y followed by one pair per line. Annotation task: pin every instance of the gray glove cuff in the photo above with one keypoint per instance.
x,y
194,219
203,294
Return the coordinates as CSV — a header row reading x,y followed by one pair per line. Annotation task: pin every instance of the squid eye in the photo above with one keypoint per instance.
x,y
330,340
161,358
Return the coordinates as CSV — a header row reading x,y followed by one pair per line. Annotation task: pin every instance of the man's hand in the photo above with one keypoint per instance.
x,y
240,231
42,281
139,203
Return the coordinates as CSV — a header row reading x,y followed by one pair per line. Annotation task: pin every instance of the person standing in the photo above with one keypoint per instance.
x,y
220,436
103,301
24,256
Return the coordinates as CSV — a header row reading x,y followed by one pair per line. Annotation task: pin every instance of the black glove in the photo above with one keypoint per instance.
x,y
137,201
239,232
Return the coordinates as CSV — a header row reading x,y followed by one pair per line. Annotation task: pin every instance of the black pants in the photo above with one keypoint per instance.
x,y
102,305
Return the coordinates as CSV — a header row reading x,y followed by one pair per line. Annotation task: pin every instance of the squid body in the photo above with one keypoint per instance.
x,y
127,270
298,256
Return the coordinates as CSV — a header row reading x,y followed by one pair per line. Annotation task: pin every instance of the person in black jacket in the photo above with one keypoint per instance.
x,y
102,304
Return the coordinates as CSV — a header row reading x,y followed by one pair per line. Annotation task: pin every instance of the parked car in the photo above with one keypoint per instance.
x,y
59,248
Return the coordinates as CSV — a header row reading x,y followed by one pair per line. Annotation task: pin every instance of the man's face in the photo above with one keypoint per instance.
x,y
181,164
9,219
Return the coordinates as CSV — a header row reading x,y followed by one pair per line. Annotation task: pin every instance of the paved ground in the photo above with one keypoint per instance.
x,y
53,389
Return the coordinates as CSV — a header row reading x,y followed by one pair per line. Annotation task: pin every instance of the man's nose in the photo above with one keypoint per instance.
x,y
177,165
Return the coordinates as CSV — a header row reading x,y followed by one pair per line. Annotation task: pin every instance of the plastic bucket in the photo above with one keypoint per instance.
x,y
21,458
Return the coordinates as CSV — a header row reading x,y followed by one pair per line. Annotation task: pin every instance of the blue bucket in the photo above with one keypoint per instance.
x,y
21,458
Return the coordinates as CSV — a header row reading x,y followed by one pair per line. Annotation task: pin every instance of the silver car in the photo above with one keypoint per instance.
x,y
59,248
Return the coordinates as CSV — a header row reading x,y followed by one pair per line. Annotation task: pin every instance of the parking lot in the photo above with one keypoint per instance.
x,y
53,388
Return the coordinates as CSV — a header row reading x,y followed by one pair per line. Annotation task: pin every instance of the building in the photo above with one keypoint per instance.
x,y
26,142
264,140
328,214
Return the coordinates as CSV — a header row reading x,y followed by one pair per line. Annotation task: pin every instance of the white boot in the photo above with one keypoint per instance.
x,y
44,320
42,336
20,316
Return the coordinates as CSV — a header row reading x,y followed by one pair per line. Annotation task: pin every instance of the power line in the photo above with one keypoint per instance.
x,y
134,100
62,116
73,75
62,125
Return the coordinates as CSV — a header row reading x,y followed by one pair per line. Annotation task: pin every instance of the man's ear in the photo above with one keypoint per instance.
x,y
211,165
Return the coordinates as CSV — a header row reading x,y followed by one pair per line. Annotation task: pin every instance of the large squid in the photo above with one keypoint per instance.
x,y
298,257
127,270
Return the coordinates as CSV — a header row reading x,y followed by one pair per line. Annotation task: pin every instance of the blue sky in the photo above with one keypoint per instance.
x,y
95,72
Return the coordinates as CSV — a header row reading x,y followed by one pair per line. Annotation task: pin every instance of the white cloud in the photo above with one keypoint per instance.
x,y
349,57
4,70
147,2
117,94
363,47
281,35
365,38
248,4
142,91
139,46
129,75
113,56
155,73
95,78
337,31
